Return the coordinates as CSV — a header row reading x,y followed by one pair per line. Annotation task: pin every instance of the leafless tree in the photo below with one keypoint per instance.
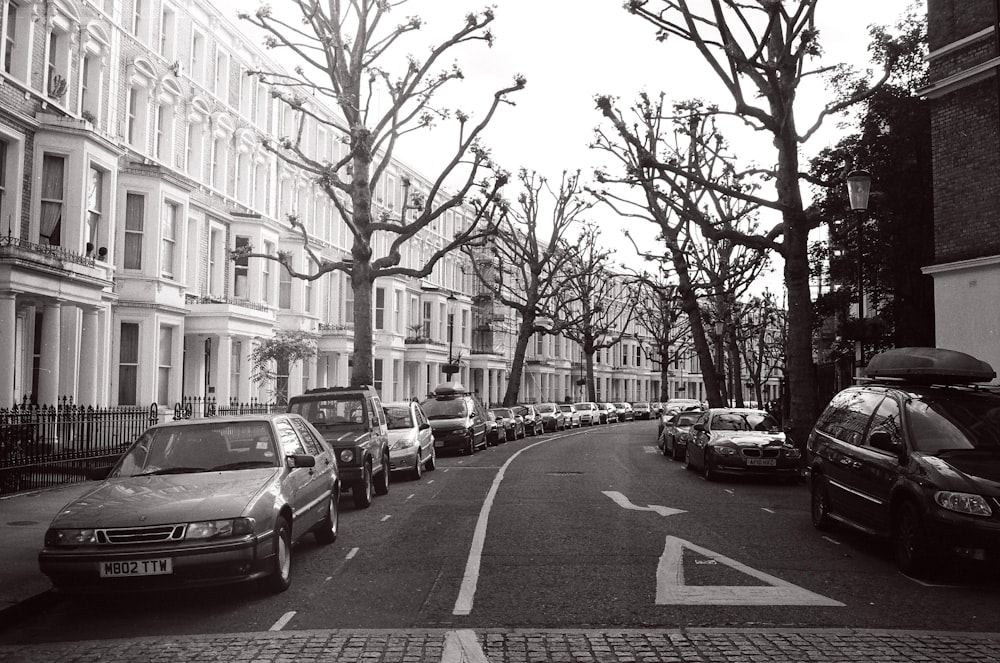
x,y
346,52
760,51
530,262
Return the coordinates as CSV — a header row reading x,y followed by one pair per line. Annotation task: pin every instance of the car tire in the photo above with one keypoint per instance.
x,y
280,577
820,504
382,479
708,471
432,461
675,453
326,532
418,468
910,547
470,448
363,492
687,460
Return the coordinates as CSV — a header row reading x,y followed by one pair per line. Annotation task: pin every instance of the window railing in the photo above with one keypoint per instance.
x,y
232,301
57,252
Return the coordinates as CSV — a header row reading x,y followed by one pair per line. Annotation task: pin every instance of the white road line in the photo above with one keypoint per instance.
x,y
410,497
467,592
430,481
730,491
280,624
833,541
386,517
462,647
626,503
764,508
651,450
352,553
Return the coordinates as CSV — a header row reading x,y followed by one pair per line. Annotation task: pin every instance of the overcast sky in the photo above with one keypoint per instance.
x,y
572,50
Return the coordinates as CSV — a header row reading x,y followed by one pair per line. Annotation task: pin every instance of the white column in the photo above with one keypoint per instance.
x,y
225,366
343,370
89,358
8,349
48,374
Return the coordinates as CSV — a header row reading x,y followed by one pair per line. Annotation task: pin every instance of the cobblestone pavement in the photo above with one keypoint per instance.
x,y
534,646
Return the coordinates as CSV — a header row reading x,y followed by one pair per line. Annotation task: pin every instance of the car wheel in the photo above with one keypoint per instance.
x,y
280,577
471,447
707,470
687,459
910,547
432,461
820,504
382,481
363,491
675,453
418,468
327,530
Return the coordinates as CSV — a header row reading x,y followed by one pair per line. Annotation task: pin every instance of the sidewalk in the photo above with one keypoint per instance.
x,y
24,517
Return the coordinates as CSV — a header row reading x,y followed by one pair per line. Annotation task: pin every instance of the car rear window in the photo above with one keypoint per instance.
x,y
447,408
398,417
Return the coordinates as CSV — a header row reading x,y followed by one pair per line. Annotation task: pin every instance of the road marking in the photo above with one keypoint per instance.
x,y
467,592
411,496
386,517
352,553
624,503
280,624
764,508
462,647
730,491
833,541
651,450
671,590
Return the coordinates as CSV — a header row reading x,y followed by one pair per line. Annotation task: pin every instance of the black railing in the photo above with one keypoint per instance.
x,y
229,301
57,252
197,407
48,445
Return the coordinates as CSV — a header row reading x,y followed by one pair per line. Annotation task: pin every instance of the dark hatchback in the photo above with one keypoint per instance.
x,y
913,455
457,419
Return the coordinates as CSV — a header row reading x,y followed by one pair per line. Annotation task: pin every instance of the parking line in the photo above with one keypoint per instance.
x,y
411,496
280,624
386,517
764,508
833,541
352,553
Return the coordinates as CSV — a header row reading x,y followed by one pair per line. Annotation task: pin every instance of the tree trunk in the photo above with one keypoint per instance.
x,y
524,333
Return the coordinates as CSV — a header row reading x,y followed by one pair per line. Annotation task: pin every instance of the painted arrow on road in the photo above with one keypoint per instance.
x,y
625,503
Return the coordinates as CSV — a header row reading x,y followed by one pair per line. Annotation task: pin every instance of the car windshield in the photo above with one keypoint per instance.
x,y
566,408
581,406
687,419
744,421
398,417
546,407
501,413
199,448
962,422
446,408
329,412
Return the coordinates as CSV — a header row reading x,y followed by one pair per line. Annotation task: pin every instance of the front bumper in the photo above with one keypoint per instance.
x,y
403,459
240,560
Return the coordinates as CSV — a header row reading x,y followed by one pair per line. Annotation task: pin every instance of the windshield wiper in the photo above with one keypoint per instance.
x,y
173,470
243,465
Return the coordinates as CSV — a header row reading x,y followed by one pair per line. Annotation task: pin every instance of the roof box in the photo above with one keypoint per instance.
x,y
936,365
450,389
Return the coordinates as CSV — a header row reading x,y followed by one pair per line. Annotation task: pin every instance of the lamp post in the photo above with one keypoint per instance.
x,y
859,184
452,366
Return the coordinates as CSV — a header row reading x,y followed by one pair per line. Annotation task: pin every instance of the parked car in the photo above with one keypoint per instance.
x,y
411,442
532,419
571,416
457,418
553,418
589,414
199,502
612,413
682,404
913,456
676,433
602,413
740,441
641,410
513,425
624,411
352,421
657,408
495,431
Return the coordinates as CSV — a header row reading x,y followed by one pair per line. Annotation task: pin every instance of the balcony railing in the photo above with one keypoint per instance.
x,y
57,252
229,301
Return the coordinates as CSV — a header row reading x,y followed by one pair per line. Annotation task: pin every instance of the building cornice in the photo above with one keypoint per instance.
x,y
962,265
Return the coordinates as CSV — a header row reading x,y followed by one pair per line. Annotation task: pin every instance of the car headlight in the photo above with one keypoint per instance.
x,y
724,451
974,505
346,455
403,443
213,529
792,453
70,537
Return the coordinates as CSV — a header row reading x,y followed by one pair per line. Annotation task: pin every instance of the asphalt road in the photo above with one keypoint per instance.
x,y
585,529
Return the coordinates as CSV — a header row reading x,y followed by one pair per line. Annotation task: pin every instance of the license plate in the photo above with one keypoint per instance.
x,y
141,567
763,462
438,443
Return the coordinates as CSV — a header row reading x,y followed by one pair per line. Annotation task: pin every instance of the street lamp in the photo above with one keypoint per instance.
x,y
859,183
452,366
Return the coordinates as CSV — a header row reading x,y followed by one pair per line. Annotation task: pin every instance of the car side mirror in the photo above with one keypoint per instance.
x,y
424,426
882,440
699,427
300,460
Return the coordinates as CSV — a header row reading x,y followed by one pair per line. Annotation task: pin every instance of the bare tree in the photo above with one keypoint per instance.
x,y
760,51
530,263
597,305
659,312
758,332
344,50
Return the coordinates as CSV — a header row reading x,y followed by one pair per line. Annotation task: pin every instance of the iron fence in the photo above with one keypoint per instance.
x,y
47,445
197,407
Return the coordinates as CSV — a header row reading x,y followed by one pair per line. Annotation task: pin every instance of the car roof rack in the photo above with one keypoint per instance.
x,y
928,366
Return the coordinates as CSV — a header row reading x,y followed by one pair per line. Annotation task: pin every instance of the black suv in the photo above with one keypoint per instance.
x,y
457,418
913,454
352,421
